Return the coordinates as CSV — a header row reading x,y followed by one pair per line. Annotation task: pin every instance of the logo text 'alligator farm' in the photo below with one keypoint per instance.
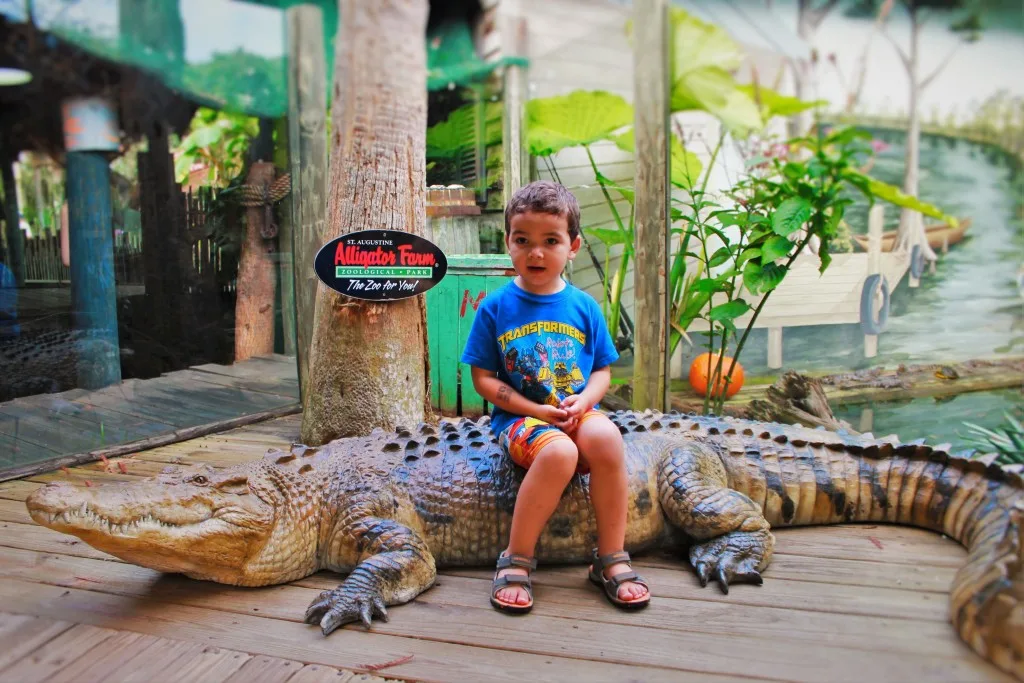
x,y
380,265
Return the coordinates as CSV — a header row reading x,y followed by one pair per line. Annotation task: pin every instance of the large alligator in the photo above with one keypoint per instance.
x,y
389,509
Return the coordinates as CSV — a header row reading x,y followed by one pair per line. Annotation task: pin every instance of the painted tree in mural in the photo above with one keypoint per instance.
x,y
368,360
809,18
968,25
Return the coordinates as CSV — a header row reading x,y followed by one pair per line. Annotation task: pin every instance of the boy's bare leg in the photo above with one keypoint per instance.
x,y
600,445
539,494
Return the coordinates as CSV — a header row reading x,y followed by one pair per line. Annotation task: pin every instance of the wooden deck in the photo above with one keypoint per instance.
x,y
845,603
65,427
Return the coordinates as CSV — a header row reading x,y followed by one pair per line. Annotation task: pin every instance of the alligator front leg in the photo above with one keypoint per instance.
x,y
696,497
395,566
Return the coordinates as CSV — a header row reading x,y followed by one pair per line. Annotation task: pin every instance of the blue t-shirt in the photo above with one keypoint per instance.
x,y
544,345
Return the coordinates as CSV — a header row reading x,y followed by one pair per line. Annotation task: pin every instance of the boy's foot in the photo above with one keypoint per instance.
x,y
511,590
629,591
514,594
622,586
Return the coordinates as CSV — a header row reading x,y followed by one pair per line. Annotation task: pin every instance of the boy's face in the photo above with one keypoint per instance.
x,y
539,245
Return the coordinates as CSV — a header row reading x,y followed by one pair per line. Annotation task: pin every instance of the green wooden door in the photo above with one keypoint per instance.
x,y
451,308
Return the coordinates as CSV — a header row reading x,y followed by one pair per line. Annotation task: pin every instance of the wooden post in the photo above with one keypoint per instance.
x,y
774,347
513,139
15,237
307,145
254,298
875,219
651,123
93,292
284,256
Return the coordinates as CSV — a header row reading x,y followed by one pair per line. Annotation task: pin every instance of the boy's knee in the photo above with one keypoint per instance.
x,y
601,444
560,453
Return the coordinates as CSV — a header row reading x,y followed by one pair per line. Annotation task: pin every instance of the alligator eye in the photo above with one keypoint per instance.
x,y
200,480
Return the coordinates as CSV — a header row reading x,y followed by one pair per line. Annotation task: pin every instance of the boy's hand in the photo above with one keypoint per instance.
x,y
575,407
553,415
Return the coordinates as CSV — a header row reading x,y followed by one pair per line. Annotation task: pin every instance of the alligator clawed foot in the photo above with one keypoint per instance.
x,y
341,606
736,557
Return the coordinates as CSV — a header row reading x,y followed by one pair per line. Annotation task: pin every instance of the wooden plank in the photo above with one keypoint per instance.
x,y
318,673
14,511
568,595
162,659
206,663
431,659
787,626
264,669
21,635
60,652
17,490
99,663
651,219
285,387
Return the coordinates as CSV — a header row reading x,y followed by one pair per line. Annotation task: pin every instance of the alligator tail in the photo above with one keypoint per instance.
x,y
980,506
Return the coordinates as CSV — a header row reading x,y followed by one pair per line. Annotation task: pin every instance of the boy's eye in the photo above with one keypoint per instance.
x,y
552,240
520,240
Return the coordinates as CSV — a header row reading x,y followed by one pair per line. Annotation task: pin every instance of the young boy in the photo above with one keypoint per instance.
x,y
540,354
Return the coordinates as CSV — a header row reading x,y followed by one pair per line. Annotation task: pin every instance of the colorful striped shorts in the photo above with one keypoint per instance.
x,y
523,439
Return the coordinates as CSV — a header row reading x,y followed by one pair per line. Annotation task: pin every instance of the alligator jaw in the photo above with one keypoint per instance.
x,y
144,525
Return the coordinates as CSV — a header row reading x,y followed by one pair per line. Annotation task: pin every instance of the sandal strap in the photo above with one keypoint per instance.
x,y
505,580
506,561
605,561
622,578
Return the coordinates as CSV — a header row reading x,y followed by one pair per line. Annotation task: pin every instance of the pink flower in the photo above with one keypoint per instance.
x,y
878,146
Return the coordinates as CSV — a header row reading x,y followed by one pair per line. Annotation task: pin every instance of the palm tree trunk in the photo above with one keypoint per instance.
x,y
368,360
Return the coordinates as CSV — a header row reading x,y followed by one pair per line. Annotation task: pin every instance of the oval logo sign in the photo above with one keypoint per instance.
x,y
380,265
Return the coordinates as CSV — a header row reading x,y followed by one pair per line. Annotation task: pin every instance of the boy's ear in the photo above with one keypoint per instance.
x,y
575,247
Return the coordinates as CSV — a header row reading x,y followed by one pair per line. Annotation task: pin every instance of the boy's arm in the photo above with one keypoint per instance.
x,y
499,393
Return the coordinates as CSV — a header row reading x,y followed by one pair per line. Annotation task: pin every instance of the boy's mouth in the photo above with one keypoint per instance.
x,y
535,269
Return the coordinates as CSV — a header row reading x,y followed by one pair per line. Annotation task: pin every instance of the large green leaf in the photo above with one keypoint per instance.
x,y
457,133
579,118
791,214
775,248
703,57
774,103
728,311
893,195
685,165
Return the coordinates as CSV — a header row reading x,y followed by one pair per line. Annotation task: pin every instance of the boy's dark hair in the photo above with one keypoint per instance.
x,y
544,196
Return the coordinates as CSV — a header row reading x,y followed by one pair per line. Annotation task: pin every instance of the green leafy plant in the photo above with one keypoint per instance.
x,y
1007,441
218,140
745,250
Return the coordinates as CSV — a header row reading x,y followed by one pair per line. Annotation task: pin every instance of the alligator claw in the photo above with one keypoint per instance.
x,y
736,557
340,606
703,572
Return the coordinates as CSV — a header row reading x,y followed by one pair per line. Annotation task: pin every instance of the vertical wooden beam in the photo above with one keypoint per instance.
x,y
307,144
876,217
93,292
15,237
516,153
651,123
284,257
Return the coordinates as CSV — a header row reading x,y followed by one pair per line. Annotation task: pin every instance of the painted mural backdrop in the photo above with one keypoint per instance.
x,y
937,84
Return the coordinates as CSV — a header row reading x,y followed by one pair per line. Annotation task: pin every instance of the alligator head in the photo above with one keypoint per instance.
x,y
248,525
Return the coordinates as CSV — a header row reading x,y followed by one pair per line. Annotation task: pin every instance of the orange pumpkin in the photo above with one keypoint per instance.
x,y
703,367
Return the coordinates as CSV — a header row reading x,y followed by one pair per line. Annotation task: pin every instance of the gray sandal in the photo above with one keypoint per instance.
x,y
611,586
504,562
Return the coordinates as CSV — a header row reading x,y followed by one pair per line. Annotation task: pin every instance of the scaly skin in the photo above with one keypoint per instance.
x,y
390,508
